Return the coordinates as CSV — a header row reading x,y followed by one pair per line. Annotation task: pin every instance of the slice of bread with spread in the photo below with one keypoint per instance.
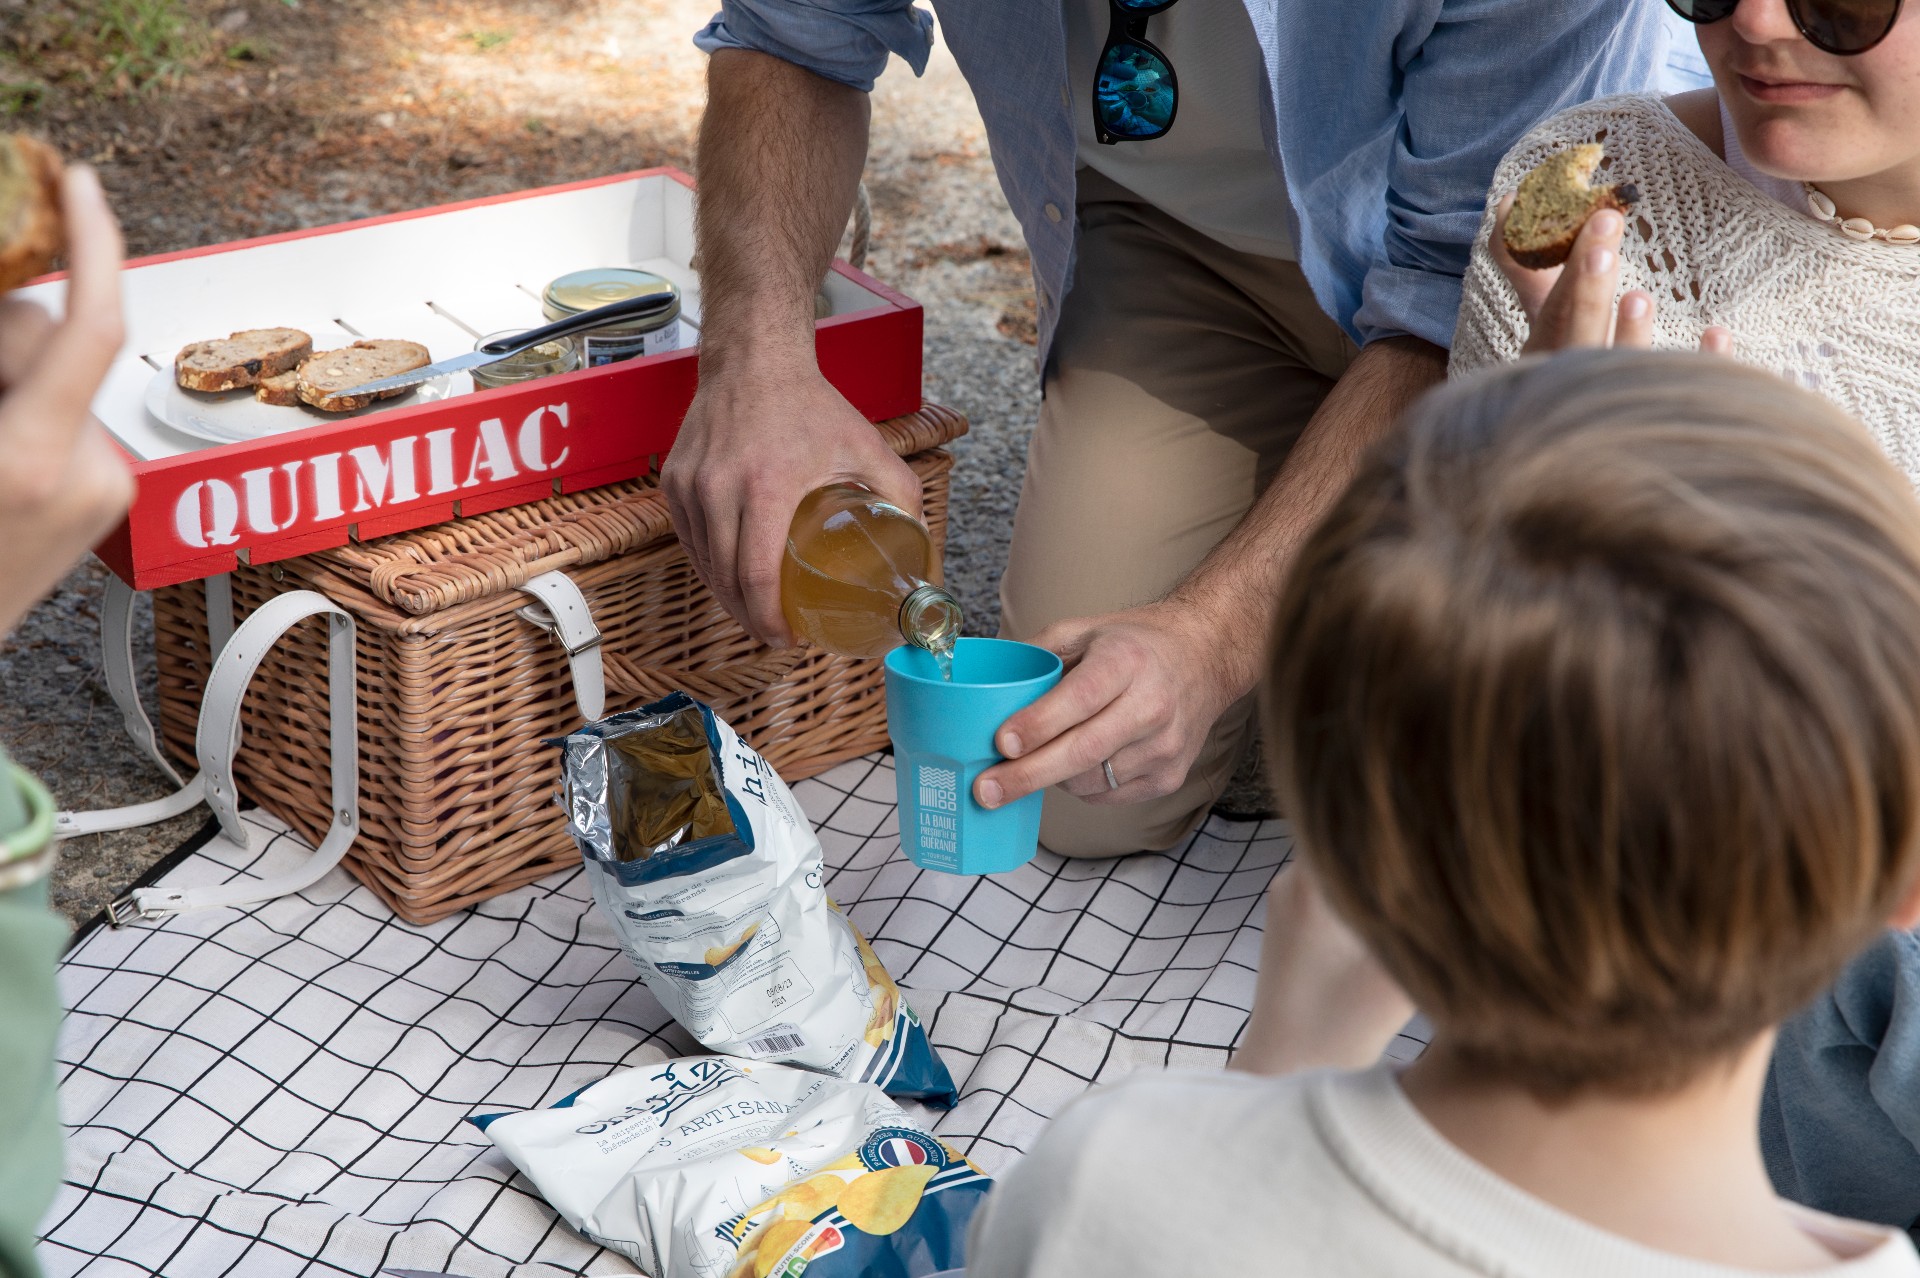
x,y
323,378
1555,200
32,230
240,359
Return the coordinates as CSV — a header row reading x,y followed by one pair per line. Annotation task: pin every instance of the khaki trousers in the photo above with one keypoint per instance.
x,y
1181,374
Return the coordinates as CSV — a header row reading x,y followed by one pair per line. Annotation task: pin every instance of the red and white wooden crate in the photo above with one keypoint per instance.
x,y
439,276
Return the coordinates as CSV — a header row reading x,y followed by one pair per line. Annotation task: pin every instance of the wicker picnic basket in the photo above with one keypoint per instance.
x,y
458,690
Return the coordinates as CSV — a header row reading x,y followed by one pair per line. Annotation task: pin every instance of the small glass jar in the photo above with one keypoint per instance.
x,y
548,359
584,290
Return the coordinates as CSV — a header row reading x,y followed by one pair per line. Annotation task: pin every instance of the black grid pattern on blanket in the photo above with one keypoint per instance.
x,y
282,1090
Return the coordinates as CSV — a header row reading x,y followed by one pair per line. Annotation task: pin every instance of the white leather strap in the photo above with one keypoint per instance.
x,y
68,825
563,613
217,743
116,664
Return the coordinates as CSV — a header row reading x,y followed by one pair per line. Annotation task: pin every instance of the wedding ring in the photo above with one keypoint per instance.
x,y
1113,782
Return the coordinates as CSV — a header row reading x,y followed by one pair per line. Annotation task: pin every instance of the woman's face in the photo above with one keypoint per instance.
x,y
1812,116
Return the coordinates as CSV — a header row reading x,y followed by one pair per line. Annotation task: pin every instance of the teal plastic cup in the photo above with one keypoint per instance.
x,y
943,740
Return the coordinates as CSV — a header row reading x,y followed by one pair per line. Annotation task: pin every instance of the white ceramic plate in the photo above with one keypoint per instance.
x,y
232,417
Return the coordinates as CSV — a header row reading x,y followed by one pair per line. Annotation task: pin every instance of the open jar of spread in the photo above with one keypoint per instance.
x,y
562,355
584,290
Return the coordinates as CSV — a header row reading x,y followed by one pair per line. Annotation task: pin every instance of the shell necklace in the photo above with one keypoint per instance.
x,y
1856,228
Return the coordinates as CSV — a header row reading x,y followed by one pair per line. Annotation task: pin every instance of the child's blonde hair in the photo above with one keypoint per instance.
x,y
1596,705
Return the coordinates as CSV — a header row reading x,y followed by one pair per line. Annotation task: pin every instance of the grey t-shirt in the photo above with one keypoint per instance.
x,y
1335,1175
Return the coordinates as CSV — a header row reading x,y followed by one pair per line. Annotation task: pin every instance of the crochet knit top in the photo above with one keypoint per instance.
x,y
1826,312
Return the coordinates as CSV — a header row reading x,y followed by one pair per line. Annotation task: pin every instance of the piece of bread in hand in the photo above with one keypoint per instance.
x,y
32,230
282,389
1555,200
240,359
323,378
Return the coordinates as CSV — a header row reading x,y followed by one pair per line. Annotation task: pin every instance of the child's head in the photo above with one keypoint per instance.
x,y
1807,114
1596,705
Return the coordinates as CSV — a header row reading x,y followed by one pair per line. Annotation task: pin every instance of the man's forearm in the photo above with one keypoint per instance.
x,y
1241,580
781,151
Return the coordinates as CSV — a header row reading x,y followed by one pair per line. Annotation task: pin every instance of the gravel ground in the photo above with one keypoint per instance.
x,y
332,114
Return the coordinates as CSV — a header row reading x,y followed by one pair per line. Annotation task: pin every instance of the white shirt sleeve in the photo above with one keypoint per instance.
x,y
1009,1234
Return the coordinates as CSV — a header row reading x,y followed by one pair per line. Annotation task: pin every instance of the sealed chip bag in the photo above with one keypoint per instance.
x,y
718,1167
711,875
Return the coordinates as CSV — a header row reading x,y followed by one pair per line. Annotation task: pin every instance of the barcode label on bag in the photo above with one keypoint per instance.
x,y
777,1039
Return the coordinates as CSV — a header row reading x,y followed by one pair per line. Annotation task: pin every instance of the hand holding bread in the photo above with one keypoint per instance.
x,y
1579,304
63,484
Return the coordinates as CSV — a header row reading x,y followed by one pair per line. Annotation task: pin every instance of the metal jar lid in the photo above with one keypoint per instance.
x,y
584,290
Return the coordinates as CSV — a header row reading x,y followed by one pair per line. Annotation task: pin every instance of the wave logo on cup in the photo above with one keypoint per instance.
x,y
943,732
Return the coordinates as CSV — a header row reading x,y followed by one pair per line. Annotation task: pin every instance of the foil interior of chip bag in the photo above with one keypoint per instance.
x,y
711,876
718,1167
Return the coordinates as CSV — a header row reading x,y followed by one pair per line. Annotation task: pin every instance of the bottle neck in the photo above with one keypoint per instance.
x,y
930,618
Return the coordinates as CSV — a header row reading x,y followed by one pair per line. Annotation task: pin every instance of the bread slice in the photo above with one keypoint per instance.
x,y
1555,200
282,389
240,359
32,230
323,378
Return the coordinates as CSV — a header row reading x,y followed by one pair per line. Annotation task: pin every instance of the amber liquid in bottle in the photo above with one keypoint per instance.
x,y
860,577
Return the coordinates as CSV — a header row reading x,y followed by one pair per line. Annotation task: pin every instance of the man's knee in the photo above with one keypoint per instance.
x,y
1075,828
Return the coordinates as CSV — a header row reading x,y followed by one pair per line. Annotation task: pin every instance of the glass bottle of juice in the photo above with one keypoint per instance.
x,y
860,577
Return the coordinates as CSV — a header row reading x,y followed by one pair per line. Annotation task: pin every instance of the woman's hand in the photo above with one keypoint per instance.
x,y
63,483
1573,305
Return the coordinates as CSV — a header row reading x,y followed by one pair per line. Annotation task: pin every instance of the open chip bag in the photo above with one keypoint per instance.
x,y
718,1167
712,878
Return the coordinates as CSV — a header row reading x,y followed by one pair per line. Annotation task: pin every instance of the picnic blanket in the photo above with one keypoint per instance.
x,y
283,1090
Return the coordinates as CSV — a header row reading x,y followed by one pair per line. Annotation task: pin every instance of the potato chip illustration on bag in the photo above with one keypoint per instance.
x,y
718,1167
701,859
886,1000
719,954
877,1197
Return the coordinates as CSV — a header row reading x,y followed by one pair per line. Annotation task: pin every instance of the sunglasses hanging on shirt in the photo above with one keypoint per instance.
x,y
1135,92
1840,27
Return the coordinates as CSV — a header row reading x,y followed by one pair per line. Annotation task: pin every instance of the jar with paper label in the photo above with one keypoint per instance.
x,y
652,334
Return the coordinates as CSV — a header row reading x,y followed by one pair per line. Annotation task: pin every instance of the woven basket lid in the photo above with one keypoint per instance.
x,y
480,556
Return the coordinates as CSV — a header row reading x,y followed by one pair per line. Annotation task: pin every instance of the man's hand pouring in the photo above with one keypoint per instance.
x,y
780,156
753,445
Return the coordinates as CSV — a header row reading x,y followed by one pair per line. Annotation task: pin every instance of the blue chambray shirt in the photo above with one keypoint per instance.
x,y
1387,119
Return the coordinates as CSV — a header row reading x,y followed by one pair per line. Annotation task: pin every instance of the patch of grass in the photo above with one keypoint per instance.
x,y
485,41
20,96
147,43
536,125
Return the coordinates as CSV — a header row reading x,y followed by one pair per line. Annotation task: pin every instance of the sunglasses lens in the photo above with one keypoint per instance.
x,y
1134,91
1144,6
1845,26
1704,11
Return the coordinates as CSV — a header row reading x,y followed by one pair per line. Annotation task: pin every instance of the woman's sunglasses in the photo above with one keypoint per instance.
x,y
1842,27
1135,92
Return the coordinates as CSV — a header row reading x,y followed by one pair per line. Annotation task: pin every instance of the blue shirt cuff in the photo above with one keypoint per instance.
x,y
1401,301
848,47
